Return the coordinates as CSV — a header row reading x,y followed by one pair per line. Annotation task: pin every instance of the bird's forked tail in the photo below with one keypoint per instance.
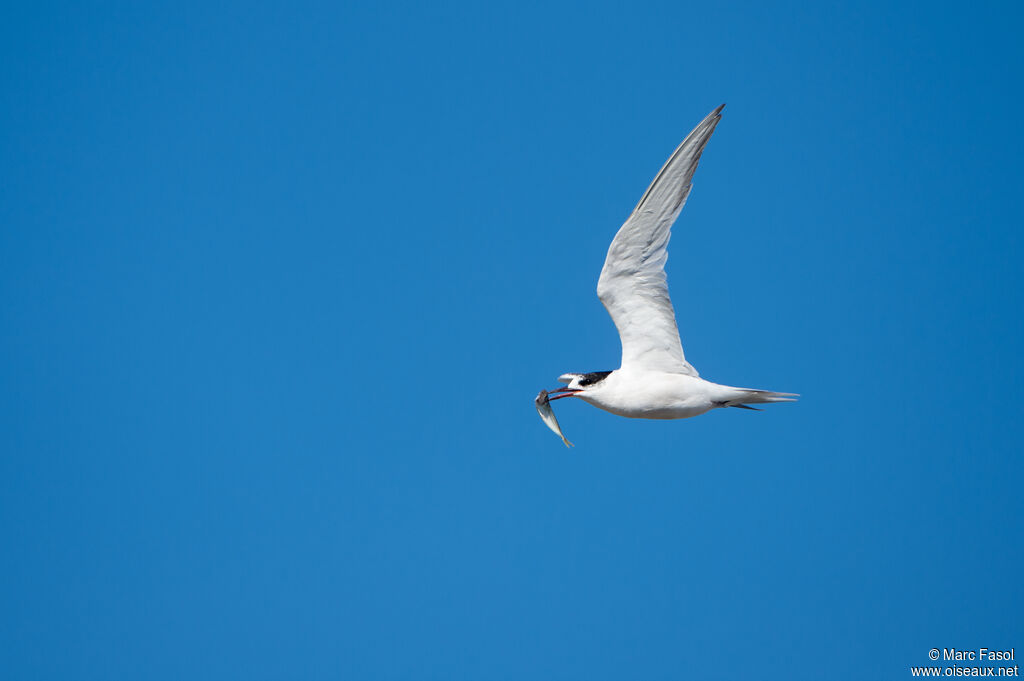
x,y
742,397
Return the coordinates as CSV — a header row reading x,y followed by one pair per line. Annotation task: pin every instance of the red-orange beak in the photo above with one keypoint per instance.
x,y
559,393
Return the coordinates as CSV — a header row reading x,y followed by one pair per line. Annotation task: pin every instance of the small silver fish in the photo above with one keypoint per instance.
x,y
548,415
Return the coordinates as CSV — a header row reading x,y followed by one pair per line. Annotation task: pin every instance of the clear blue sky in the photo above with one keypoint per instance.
x,y
280,282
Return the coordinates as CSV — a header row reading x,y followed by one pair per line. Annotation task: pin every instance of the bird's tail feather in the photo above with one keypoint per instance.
x,y
745,396
759,396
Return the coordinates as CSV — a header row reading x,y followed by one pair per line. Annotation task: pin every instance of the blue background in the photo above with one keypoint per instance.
x,y
280,282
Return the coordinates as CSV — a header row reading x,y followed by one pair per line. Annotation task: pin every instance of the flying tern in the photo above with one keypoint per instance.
x,y
655,381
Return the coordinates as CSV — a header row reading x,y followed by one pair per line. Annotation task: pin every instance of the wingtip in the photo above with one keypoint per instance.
x,y
714,116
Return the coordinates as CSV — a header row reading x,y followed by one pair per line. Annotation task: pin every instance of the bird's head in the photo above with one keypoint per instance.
x,y
578,383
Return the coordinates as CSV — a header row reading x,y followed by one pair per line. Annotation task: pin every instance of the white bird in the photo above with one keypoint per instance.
x,y
655,381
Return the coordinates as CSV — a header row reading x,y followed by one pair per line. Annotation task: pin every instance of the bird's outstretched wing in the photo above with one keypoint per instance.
x,y
632,286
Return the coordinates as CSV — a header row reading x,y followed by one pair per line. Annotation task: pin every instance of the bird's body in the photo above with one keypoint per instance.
x,y
655,381
663,395
652,395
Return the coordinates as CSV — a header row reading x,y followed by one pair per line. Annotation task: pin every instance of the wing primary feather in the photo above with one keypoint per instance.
x,y
712,119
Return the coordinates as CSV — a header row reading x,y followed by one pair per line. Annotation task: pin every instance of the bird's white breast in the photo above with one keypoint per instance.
x,y
652,395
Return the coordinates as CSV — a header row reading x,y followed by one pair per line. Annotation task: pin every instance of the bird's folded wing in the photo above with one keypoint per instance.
x,y
632,286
